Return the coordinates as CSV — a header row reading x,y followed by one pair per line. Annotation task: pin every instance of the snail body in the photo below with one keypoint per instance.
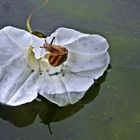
x,y
57,54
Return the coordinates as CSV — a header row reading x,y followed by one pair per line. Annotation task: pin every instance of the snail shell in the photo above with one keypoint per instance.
x,y
57,54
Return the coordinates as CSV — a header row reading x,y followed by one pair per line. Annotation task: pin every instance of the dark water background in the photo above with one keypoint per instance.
x,y
115,112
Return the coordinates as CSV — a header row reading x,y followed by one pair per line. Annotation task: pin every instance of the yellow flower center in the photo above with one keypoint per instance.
x,y
41,64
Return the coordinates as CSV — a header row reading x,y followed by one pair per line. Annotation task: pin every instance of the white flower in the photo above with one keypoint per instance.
x,y
25,70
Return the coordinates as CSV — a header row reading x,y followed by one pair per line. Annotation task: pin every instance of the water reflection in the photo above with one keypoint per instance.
x,y
48,112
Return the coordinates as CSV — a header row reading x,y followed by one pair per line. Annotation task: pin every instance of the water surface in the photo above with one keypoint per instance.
x,y
110,109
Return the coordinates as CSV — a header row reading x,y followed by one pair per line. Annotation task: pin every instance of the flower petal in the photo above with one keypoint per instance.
x,y
16,86
95,73
27,92
65,98
39,52
79,63
50,85
37,43
63,90
89,45
64,36
75,83
9,51
20,38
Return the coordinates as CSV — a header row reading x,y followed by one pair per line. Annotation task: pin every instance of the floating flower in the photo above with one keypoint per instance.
x,y
60,67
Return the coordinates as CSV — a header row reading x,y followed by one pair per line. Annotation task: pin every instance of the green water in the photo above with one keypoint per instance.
x,y
110,109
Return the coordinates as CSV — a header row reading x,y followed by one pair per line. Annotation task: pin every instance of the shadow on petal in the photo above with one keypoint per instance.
x,y
48,112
